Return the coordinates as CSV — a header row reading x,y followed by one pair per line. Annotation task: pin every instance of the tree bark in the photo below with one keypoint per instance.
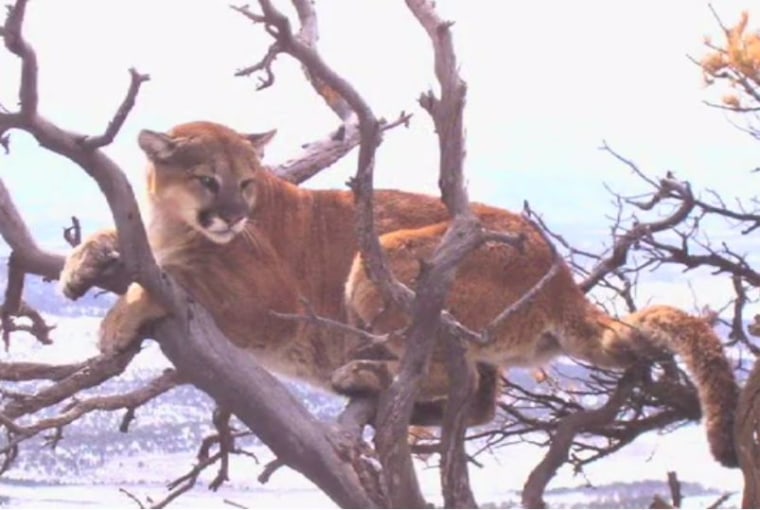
x,y
747,438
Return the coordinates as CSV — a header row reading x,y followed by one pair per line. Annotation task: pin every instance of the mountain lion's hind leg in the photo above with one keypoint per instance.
x,y
121,325
482,405
370,377
363,377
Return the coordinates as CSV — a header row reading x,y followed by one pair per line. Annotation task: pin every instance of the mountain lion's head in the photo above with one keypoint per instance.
x,y
203,174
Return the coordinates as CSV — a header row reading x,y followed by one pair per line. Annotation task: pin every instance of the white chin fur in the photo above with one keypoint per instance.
x,y
239,226
220,232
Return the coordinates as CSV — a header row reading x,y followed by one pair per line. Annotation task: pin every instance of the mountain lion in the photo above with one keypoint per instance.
x,y
245,243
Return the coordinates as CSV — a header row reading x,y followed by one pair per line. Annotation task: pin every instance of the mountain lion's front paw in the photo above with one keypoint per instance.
x,y
88,261
361,377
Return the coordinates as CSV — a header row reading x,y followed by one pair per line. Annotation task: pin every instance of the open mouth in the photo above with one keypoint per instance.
x,y
220,237
222,232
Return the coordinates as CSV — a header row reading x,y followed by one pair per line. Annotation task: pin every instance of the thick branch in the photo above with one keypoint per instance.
x,y
447,112
369,128
16,44
464,235
14,232
25,371
321,154
93,372
395,456
747,432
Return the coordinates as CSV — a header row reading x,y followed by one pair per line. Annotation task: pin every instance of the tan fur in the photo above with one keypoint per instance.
x,y
301,243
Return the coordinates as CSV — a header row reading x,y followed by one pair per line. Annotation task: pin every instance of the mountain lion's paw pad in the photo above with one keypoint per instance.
x,y
361,377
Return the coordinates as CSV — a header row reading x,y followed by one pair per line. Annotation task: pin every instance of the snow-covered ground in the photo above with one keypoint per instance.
x,y
623,480
95,461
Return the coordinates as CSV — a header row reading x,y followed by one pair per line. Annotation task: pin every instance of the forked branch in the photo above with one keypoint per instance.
x,y
94,142
322,153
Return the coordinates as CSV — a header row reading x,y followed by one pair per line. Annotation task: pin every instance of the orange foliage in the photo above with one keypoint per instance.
x,y
738,62
731,100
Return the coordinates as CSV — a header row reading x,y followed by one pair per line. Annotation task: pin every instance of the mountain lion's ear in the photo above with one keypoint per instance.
x,y
159,147
260,140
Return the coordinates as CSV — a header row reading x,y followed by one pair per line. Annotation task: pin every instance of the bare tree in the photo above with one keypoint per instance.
x,y
334,456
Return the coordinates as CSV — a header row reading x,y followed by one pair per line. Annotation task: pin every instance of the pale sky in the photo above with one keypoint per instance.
x,y
548,81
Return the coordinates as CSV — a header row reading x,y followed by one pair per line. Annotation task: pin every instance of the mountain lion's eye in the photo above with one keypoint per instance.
x,y
244,184
209,183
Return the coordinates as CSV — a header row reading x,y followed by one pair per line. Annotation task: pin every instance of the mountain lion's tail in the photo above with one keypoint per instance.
x,y
692,338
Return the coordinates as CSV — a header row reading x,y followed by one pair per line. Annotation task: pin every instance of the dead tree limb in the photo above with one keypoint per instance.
x,y
747,431
320,154
675,489
447,112
93,372
278,26
29,371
